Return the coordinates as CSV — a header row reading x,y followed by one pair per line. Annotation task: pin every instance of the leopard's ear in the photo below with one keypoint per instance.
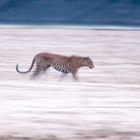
x,y
86,58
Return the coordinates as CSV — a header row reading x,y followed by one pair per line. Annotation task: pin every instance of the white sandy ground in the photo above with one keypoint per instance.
x,y
103,105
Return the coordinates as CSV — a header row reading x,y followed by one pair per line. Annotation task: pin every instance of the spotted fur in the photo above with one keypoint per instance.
x,y
64,64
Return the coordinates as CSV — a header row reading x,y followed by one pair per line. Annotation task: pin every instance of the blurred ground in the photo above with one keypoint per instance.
x,y
103,105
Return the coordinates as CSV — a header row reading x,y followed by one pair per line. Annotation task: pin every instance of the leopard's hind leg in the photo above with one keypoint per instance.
x,y
39,69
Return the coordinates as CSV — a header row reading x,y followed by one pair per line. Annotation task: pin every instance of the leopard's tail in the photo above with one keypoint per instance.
x,y
24,72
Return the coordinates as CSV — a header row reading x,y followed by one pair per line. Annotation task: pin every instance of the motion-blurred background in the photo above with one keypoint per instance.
x,y
91,12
